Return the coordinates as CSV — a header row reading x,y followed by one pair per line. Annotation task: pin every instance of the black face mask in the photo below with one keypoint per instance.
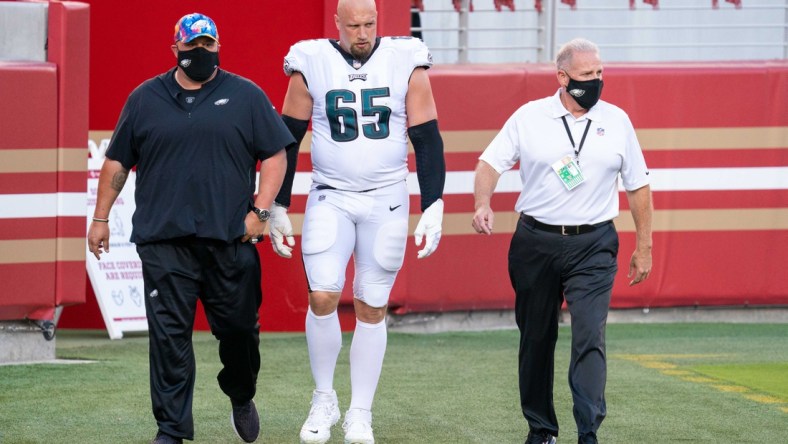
x,y
587,93
198,63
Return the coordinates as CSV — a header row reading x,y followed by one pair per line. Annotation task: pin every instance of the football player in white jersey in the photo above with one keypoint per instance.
x,y
365,96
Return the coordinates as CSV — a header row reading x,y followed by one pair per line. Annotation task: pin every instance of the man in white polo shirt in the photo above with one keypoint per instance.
x,y
572,148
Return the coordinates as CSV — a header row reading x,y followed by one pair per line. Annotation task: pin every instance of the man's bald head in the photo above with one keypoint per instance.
x,y
350,6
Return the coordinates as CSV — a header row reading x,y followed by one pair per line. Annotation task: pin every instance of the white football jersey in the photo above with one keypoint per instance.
x,y
359,125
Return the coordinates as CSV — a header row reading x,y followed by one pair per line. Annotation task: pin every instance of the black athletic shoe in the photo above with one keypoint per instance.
x,y
587,438
540,438
245,421
163,438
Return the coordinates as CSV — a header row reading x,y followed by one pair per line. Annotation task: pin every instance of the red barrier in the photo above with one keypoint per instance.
x,y
69,48
42,172
27,155
706,242
711,246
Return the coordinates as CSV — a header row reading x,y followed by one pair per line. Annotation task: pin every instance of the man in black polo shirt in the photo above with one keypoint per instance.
x,y
195,134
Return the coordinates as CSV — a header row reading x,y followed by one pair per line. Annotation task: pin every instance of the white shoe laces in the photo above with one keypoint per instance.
x,y
321,413
358,422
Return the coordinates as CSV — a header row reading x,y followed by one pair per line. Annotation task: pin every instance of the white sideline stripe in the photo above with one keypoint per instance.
x,y
680,179
666,179
14,206
457,182
705,179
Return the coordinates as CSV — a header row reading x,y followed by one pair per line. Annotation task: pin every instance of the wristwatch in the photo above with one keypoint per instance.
x,y
262,214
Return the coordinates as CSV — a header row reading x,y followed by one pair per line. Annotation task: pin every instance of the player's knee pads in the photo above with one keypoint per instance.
x,y
320,234
324,273
373,284
389,249
374,295
320,230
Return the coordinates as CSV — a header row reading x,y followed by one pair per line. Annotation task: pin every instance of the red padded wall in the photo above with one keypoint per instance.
x,y
28,155
42,171
714,247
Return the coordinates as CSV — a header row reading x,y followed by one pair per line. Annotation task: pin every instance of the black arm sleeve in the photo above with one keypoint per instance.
x,y
430,164
298,130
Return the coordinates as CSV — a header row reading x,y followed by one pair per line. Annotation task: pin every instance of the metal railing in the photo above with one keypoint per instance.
x,y
679,30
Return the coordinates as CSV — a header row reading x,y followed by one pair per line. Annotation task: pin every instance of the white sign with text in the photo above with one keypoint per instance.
x,y
117,277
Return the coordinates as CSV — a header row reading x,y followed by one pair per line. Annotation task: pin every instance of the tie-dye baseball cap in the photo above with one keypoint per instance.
x,y
194,25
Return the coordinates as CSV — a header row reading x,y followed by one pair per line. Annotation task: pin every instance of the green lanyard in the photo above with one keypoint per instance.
x,y
571,139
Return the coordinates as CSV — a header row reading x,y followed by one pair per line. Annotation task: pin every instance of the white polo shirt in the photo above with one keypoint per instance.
x,y
536,137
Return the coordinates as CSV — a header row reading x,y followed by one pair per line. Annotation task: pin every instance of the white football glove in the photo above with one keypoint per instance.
x,y
430,226
280,230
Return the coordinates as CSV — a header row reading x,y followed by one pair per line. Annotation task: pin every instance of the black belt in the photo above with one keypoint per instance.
x,y
566,230
329,187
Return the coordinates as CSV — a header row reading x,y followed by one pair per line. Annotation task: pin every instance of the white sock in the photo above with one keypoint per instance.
x,y
366,362
323,340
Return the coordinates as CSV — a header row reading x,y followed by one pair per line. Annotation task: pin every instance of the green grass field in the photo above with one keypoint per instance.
x,y
684,383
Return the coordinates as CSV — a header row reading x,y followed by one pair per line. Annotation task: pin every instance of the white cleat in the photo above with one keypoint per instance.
x,y
323,414
358,427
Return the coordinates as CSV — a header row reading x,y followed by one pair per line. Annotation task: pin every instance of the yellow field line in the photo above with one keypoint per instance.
x,y
659,362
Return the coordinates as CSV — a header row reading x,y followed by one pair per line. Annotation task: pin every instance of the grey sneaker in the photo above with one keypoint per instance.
x,y
245,421
322,416
540,438
163,438
358,427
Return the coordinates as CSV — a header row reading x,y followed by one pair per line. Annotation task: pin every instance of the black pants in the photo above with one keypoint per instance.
x,y
544,269
226,278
